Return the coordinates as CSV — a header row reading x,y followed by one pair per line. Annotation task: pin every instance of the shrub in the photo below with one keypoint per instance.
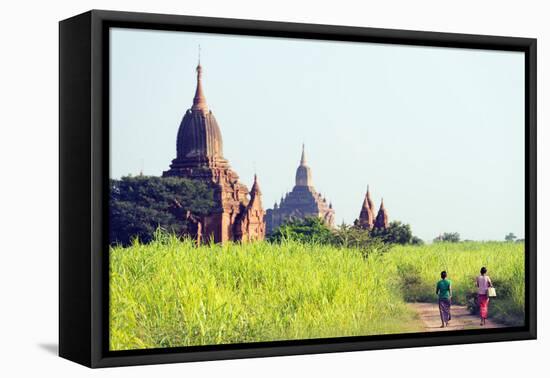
x,y
397,233
450,237
307,230
314,230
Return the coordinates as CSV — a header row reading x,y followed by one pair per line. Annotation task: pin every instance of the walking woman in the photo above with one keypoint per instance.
x,y
483,284
445,293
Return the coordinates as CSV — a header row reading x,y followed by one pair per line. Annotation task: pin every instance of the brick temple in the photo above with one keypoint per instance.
x,y
367,220
303,201
238,214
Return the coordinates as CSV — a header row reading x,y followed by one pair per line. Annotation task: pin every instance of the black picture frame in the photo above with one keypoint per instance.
x,y
83,182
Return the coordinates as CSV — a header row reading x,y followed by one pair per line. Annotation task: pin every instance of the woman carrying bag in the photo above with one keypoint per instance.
x,y
485,290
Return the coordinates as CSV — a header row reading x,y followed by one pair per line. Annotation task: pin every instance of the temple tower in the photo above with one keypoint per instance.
x,y
366,217
367,220
381,221
303,201
252,225
199,156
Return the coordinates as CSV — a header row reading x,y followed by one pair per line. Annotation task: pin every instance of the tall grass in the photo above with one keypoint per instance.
x,y
169,293
419,267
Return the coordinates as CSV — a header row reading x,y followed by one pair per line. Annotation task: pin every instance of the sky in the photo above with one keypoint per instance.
x,y
437,132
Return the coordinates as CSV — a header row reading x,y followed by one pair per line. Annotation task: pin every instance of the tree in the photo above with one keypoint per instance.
x,y
397,233
351,236
309,229
358,238
139,205
417,241
510,237
449,237
313,229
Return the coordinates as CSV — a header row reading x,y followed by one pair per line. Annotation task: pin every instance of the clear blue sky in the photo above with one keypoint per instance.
x,y
436,132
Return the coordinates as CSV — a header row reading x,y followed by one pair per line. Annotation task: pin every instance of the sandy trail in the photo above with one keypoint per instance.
x,y
461,318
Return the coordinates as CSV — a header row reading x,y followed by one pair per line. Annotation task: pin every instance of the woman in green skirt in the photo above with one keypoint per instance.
x,y
444,292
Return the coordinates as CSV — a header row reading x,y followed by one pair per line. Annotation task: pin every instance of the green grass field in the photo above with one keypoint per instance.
x,y
418,268
169,293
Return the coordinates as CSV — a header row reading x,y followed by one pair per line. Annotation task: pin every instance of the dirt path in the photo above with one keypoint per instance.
x,y
460,318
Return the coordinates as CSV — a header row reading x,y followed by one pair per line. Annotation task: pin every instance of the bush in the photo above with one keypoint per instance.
x,y
307,230
313,230
510,237
397,233
355,237
449,237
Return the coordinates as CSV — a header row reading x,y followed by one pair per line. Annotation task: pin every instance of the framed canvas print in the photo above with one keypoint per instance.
x,y
234,188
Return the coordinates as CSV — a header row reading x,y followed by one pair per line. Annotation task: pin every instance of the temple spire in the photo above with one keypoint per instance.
x,y
303,173
255,187
366,216
255,195
199,101
370,201
382,221
303,158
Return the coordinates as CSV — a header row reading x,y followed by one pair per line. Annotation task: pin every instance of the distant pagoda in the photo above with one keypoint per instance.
x,y
381,220
303,201
200,157
366,217
367,220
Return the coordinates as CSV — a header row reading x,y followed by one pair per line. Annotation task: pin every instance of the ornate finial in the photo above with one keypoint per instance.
x,y
303,172
199,55
303,158
199,101
255,186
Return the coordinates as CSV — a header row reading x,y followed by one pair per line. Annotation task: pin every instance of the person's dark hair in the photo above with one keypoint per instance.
x,y
483,270
443,274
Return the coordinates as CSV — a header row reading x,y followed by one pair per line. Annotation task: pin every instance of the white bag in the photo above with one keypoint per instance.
x,y
491,292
